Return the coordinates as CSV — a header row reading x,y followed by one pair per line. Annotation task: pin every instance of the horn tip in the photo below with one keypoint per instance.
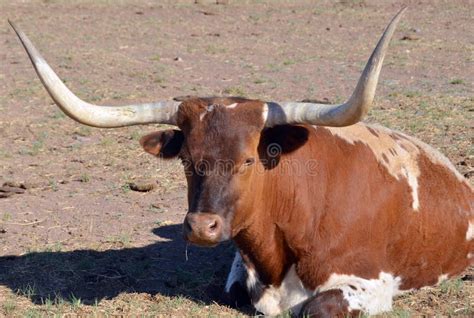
x,y
402,11
15,27
12,24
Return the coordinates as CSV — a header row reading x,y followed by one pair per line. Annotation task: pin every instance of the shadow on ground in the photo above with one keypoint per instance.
x,y
90,275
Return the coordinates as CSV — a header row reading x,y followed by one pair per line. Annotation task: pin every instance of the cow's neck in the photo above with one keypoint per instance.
x,y
263,241
275,235
264,249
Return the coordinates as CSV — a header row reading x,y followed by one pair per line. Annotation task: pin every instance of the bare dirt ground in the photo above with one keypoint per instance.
x,y
79,241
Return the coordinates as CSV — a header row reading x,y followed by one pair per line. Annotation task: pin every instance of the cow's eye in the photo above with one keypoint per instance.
x,y
249,162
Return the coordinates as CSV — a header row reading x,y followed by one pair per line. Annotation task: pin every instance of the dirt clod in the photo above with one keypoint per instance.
x,y
143,185
409,37
8,189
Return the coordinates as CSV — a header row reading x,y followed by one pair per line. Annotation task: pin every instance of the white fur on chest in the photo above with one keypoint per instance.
x,y
274,300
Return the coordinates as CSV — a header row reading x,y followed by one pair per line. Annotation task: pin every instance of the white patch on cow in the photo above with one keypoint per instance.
x,y
470,255
274,300
237,273
470,231
413,183
209,109
265,112
397,152
442,278
371,296
232,105
252,278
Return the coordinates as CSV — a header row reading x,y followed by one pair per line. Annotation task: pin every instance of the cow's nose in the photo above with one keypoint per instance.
x,y
203,228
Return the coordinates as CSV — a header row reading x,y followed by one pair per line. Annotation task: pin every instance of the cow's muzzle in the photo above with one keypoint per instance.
x,y
203,229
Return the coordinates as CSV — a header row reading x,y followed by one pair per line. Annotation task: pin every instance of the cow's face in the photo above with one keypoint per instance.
x,y
225,151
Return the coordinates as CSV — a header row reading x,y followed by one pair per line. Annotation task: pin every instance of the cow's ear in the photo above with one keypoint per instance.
x,y
164,144
280,140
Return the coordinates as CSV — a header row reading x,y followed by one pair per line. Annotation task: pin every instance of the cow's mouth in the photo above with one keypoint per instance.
x,y
200,242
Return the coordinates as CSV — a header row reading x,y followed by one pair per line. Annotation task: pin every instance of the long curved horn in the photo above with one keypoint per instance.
x,y
340,115
94,115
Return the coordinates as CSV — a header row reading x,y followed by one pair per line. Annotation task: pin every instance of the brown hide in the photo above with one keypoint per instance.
x,y
350,216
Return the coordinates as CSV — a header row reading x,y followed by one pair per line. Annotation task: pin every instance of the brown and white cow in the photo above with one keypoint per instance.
x,y
331,216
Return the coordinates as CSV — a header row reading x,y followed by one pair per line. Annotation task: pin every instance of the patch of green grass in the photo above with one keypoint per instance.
x,y
411,94
84,178
58,114
135,135
96,96
178,301
59,302
32,313
159,80
125,188
48,303
83,131
259,81
289,62
123,239
27,291
452,286
234,91
352,2
5,154
36,146
107,141
53,185
6,217
9,306
155,57
456,81
213,49
118,96
415,126
274,67
23,92
400,313
34,150
285,314
75,302
56,247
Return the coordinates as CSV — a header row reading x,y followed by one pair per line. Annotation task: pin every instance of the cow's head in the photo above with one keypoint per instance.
x,y
223,142
224,147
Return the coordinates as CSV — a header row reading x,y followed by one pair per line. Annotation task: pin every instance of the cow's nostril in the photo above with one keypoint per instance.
x,y
213,226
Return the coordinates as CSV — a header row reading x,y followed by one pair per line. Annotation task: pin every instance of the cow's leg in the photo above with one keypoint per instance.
x,y
330,303
236,293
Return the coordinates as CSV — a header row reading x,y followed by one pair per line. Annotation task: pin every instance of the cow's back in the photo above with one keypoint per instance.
x,y
387,203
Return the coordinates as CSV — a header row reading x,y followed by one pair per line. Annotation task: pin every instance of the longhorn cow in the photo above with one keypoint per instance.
x,y
336,219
